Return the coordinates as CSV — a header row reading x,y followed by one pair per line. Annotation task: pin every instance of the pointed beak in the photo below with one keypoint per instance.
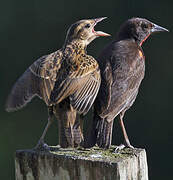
x,y
157,28
99,19
99,33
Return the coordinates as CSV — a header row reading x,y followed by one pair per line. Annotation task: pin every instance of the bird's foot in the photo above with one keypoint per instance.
x,y
122,146
41,146
119,148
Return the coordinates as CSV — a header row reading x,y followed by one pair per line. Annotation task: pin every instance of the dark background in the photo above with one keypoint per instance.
x,y
30,29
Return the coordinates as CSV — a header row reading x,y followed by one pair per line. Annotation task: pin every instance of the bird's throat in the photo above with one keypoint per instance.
x,y
144,39
76,47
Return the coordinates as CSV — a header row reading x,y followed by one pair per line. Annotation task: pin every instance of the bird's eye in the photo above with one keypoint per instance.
x,y
144,26
87,26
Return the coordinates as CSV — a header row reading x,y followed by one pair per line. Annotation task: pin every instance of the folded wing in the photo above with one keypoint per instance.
x,y
79,83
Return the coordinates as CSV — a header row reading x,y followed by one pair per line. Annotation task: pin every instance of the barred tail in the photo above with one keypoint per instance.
x,y
70,127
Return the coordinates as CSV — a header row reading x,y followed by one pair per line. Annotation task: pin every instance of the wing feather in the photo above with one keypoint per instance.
x,y
22,92
83,103
37,80
88,101
77,84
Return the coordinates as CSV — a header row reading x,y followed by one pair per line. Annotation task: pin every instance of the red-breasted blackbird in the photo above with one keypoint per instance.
x,y
122,66
67,80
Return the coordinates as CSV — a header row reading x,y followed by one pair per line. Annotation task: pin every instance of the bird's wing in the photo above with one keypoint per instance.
x,y
47,66
125,88
127,70
38,79
79,80
104,95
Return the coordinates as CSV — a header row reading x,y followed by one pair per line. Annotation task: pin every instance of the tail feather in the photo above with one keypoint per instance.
x,y
100,132
70,127
71,137
104,135
78,130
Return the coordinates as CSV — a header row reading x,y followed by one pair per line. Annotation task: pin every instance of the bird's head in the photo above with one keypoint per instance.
x,y
84,32
139,29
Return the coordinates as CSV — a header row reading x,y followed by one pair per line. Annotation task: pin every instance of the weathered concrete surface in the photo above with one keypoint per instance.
x,y
71,164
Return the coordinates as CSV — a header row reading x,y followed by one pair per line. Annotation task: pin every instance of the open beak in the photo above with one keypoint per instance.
x,y
99,33
157,28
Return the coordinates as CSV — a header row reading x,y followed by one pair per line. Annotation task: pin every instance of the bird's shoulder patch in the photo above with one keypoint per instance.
x,y
85,64
141,54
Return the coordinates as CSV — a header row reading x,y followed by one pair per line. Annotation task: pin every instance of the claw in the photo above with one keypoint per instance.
x,y
41,146
122,146
130,146
119,148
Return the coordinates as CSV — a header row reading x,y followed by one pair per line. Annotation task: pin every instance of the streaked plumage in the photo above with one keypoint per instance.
x,y
67,80
122,66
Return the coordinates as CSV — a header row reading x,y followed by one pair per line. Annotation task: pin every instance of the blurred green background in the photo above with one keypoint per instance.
x,y
30,29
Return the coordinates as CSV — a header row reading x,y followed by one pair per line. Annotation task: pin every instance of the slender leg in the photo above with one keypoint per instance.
x,y
126,139
41,143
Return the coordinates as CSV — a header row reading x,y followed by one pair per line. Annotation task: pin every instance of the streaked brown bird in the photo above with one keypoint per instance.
x,y
67,80
122,66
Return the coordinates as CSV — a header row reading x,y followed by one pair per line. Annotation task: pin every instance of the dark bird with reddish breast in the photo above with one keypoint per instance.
x,y
67,80
122,67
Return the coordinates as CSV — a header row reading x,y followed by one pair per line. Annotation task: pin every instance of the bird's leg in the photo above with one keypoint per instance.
x,y
41,140
126,139
41,143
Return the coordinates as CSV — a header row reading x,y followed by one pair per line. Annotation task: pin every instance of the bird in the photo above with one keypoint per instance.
x,y
67,80
122,67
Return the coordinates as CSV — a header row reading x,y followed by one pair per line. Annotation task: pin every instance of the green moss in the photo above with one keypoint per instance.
x,y
95,153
